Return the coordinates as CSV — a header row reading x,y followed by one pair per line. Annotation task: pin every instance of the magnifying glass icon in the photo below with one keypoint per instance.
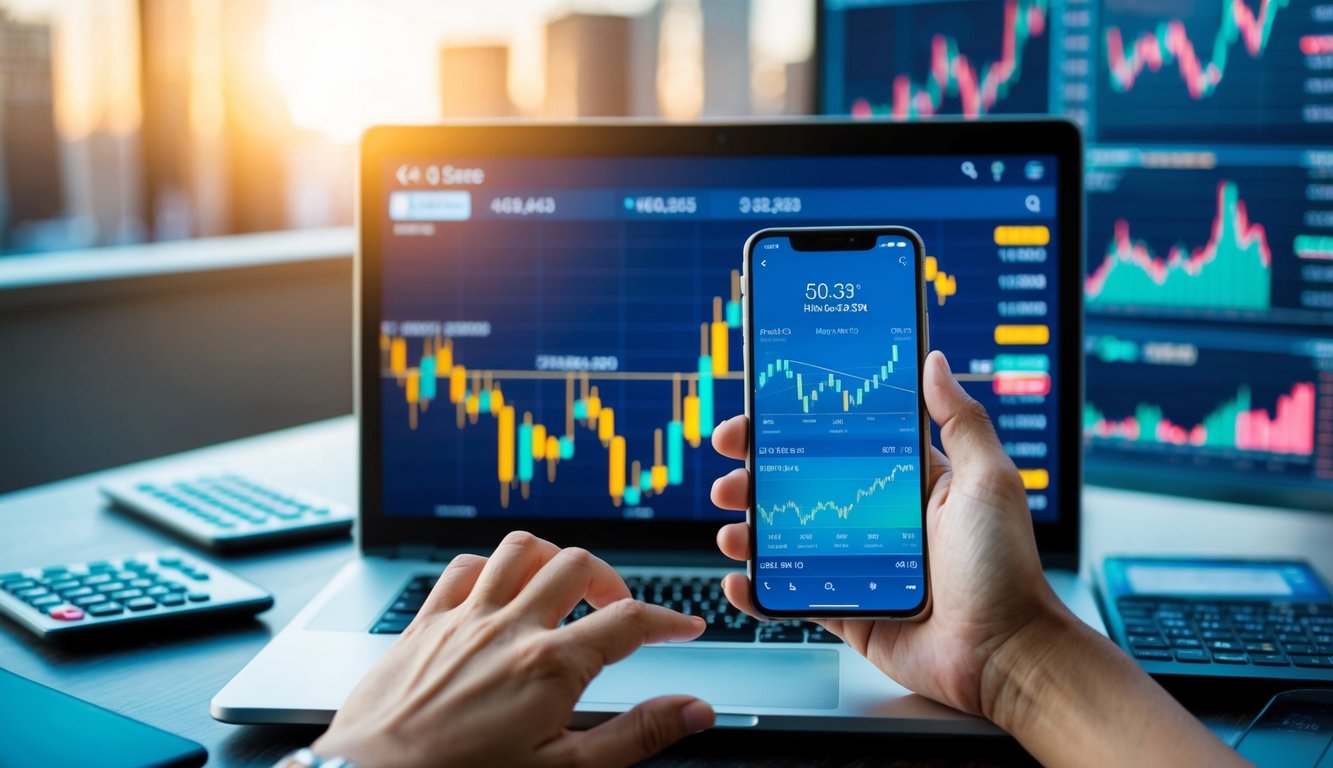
x,y
828,586
902,261
1033,203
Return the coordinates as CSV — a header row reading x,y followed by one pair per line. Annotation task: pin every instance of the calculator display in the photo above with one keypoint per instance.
x,y
1294,581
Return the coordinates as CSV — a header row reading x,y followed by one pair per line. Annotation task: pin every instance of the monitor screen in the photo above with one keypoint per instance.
x,y
559,336
1209,288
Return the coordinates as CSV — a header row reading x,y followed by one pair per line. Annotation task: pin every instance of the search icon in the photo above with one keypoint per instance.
x,y
1033,203
969,170
828,587
902,261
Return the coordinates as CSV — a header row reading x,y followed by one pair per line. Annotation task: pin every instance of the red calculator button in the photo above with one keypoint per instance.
x,y
66,613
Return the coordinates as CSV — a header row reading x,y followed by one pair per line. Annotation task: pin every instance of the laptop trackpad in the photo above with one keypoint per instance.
x,y
749,677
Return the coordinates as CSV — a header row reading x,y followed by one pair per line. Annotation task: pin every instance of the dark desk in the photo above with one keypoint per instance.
x,y
169,683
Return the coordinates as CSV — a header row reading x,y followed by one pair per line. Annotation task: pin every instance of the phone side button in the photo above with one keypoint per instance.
x,y
736,721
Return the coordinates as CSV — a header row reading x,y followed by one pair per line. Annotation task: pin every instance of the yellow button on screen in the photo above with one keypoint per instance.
x,y
1022,334
1035,479
1034,235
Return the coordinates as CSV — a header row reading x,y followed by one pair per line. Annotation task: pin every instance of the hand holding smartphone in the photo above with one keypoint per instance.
x,y
835,338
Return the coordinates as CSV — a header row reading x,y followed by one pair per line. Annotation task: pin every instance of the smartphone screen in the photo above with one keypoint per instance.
x,y
835,340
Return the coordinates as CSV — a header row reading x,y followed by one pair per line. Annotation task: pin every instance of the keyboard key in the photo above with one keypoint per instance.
x,y
58,586
1261,648
15,585
1192,656
1301,648
84,602
1186,642
110,586
46,601
127,594
106,609
157,591
1270,659
1152,654
31,592
388,628
65,613
1146,641
141,583
141,604
782,632
1225,645
823,636
69,594
171,599
1312,661
721,633
198,597
1229,658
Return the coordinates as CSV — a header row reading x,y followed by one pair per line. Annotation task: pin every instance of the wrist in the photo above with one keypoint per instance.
x,y
1022,669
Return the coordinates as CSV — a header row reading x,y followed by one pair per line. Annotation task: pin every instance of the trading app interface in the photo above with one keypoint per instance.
x,y
837,427
559,336
1210,209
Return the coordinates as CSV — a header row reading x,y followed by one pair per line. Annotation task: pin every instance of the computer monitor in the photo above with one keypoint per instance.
x,y
551,319
1209,287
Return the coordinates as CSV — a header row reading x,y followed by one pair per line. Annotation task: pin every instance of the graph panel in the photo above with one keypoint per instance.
x,y
1237,243
1225,70
1252,405
960,57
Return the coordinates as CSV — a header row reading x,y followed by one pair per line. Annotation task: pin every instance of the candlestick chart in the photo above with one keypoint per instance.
x,y
530,450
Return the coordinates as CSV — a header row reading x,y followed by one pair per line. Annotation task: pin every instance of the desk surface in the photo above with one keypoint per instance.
x,y
168,683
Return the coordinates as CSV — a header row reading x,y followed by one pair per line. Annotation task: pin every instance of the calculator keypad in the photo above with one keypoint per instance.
x,y
103,589
1237,633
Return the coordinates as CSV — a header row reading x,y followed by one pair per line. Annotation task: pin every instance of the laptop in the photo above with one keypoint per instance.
x,y
525,291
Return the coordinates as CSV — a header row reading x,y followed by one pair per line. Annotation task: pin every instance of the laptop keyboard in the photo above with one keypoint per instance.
x,y
1259,633
691,596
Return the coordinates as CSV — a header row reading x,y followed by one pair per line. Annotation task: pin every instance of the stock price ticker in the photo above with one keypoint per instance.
x,y
585,379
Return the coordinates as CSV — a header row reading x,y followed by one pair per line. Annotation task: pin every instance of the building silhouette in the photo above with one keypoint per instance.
x,y
586,66
474,81
30,171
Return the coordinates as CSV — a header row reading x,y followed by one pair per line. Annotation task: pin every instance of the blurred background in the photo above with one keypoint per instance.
x,y
131,121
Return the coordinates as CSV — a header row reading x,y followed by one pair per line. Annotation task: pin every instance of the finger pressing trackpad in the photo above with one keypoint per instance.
x,y
758,677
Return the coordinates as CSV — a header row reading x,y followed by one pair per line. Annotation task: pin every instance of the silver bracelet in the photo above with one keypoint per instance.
x,y
305,757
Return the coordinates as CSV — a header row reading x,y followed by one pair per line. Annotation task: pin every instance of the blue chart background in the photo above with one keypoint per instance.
x,y
638,289
1154,158
837,451
1258,98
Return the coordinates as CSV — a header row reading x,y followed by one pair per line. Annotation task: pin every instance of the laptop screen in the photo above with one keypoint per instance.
x,y
559,335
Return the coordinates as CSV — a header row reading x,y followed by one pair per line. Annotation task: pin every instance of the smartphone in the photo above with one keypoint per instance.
x,y
835,337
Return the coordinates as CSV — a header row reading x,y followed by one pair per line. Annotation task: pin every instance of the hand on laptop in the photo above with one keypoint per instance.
x,y
486,676
998,642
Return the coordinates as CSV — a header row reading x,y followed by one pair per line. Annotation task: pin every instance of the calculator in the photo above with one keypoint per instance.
x,y
226,511
1262,620
83,599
